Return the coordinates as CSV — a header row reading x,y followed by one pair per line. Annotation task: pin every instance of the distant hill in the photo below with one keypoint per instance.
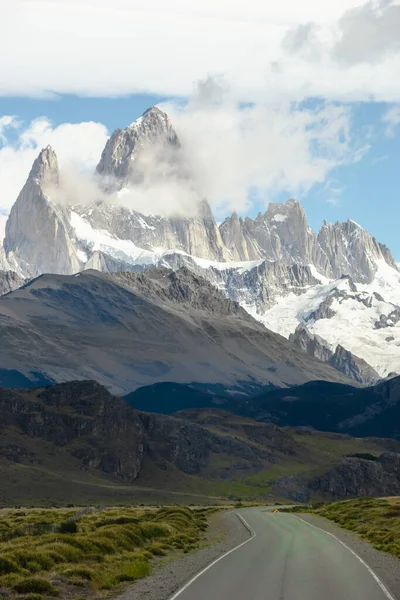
x,y
322,405
167,397
372,411
75,442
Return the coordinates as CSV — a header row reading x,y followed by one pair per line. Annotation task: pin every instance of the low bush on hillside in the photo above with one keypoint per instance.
x,y
374,519
103,550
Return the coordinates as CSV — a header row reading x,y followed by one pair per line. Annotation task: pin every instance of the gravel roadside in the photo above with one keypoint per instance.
x,y
224,533
386,566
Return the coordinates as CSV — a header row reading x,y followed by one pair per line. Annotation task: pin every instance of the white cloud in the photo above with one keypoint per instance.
x,y
97,47
7,122
78,146
392,119
368,33
233,153
238,153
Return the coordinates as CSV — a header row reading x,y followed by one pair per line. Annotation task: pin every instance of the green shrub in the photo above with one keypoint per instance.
x,y
35,585
34,597
64,551
81,572
7,565
33,561
68,527
134,570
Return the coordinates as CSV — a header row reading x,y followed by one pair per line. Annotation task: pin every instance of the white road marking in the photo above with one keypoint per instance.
x,y
371,572
189,583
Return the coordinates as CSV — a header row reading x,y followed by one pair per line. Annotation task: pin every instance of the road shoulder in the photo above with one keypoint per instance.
x,y
386,566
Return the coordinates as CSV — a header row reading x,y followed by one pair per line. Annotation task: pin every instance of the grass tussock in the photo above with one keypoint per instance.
x,y
375,520
48,553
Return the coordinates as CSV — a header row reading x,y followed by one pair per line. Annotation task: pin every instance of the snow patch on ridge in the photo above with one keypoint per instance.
x,y
279,218
353,325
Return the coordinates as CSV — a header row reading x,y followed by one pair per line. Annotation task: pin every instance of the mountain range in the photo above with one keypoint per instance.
x,y
335,294
319,405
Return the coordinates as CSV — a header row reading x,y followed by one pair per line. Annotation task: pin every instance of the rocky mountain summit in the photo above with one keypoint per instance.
x,y
341,359
274,265
120,160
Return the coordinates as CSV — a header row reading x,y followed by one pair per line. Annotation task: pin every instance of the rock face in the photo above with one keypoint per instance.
x,y
356,477
105,434
352,251
353,477
122,166
38,233
120,160
281,234
4,266
9,281
353,366
341,359
314,345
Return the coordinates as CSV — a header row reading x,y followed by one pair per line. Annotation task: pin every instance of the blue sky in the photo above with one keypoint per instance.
x,y
368,191
102,70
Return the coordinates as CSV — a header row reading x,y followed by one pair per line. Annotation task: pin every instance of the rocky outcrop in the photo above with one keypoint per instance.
x,y
38,234
314,345
352,251
354,367
356,477
341,359
9,281
120,160
87,434
4,265
281,234
353,477
101,431
105,434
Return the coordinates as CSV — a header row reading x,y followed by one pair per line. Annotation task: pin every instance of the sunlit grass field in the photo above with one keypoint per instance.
x,y
54,552
376,520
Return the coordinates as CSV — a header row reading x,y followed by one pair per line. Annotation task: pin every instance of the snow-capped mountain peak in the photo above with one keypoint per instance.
x,y
340,284
45,168
153,130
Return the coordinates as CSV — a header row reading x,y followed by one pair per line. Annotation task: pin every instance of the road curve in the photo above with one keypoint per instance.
x,y
286,559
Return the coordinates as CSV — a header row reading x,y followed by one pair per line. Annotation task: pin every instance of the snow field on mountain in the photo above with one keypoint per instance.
x,y
353,325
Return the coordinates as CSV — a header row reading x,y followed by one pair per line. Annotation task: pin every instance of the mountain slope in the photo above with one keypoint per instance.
x,y
373,411
126,330
75,442
344,361
363,318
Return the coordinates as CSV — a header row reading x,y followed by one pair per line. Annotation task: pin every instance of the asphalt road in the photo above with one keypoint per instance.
x,y
286,559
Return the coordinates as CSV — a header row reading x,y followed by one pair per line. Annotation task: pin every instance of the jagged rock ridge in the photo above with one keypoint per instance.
x,y
340,358
257,262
